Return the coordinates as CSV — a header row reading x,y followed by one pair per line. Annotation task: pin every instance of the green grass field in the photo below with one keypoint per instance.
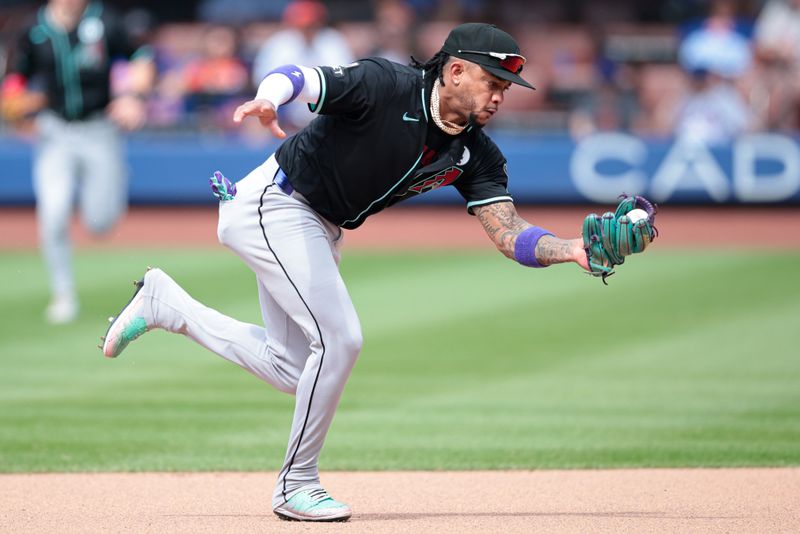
x,y
470,362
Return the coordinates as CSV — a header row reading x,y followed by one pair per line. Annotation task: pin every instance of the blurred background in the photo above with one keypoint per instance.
x,y
689,101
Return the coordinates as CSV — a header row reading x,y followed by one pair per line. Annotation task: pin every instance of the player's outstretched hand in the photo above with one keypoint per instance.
x,y
579,253
266,113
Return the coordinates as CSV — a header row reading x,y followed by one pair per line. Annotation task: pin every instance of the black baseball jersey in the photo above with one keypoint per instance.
x,y
74,68
374,144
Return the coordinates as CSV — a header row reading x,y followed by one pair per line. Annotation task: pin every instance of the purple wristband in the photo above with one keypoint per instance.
x,y
295,75
525,247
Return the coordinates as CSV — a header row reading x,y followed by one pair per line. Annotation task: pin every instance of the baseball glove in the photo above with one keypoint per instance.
x,y
609,238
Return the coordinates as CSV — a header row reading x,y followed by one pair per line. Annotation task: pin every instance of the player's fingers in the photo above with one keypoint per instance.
x,y
242,111
252,107
272,124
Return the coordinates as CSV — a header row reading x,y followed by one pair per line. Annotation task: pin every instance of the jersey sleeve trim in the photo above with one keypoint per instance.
x,y
422,96
476,203
315,108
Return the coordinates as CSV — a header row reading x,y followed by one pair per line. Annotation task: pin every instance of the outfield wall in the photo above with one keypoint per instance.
x,y
760,168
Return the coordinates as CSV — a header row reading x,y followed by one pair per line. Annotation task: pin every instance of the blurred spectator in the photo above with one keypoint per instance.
x,y
777,37
305,41
394,31
214,81
719,44
715,55
612,102
715,112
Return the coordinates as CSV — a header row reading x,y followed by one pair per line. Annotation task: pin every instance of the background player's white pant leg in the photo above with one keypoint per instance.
x,y
104,178
293,252
54,180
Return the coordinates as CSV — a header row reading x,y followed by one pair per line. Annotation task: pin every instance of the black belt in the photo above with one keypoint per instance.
x,y
282,181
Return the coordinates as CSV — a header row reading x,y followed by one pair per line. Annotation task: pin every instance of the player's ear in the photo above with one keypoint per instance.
x,y
456,68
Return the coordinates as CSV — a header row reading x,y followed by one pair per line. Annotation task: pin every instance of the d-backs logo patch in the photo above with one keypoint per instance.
x,y
446,177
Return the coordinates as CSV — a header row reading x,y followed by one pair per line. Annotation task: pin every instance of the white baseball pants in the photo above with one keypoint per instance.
x,y
311,335
86,156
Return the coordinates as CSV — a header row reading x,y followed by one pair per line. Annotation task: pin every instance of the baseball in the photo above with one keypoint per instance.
x,y
637,214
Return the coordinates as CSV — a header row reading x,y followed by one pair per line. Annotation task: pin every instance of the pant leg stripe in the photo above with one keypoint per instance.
x,y
288,467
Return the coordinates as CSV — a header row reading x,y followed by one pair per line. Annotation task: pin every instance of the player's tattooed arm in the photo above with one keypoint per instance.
x,y
503,225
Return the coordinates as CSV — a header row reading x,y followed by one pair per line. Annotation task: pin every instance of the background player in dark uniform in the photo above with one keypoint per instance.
x,y
385,132
67,54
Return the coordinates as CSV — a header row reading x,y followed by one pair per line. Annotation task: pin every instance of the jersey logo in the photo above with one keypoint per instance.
x,y
464,157
409,119
91,30
339,71
446,177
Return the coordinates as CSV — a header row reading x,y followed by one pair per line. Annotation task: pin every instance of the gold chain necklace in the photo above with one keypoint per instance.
x,y
446,126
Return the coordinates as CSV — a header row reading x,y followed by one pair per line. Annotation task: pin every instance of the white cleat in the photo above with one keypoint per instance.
x,y
128,325
313,505
62,309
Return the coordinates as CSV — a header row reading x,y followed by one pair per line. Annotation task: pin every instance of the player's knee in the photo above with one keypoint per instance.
x,y
99,225
350,344
289,386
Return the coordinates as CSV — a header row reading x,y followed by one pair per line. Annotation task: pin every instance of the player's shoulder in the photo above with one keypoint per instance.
x,y
378,73
375,63
391,69
28,23
32,30
103,11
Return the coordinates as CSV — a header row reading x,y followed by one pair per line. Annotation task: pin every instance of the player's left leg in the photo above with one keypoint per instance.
x,y
160,302
294,253
103,191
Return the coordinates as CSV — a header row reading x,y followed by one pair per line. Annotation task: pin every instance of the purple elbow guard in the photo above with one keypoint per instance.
x,y
295,75
525,247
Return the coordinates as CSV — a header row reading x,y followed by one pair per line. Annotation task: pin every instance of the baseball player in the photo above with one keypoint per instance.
x,y
385,132
67,51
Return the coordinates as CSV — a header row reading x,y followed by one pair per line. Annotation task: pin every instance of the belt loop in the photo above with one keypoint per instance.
x,y
282,181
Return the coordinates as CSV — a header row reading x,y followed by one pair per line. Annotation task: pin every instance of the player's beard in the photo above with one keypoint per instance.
x,y
472,120
468,102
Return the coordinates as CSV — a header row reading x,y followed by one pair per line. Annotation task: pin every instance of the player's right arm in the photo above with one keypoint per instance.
x,y
521,241
280,87
16,99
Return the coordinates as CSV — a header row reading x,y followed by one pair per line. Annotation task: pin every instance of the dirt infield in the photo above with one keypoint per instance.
x,y
771,228
645,500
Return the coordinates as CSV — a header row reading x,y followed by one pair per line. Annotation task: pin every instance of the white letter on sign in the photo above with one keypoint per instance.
x,y
603,147
691,166
749,187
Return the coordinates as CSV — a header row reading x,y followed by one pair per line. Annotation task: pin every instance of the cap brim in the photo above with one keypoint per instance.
x,y
503,74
